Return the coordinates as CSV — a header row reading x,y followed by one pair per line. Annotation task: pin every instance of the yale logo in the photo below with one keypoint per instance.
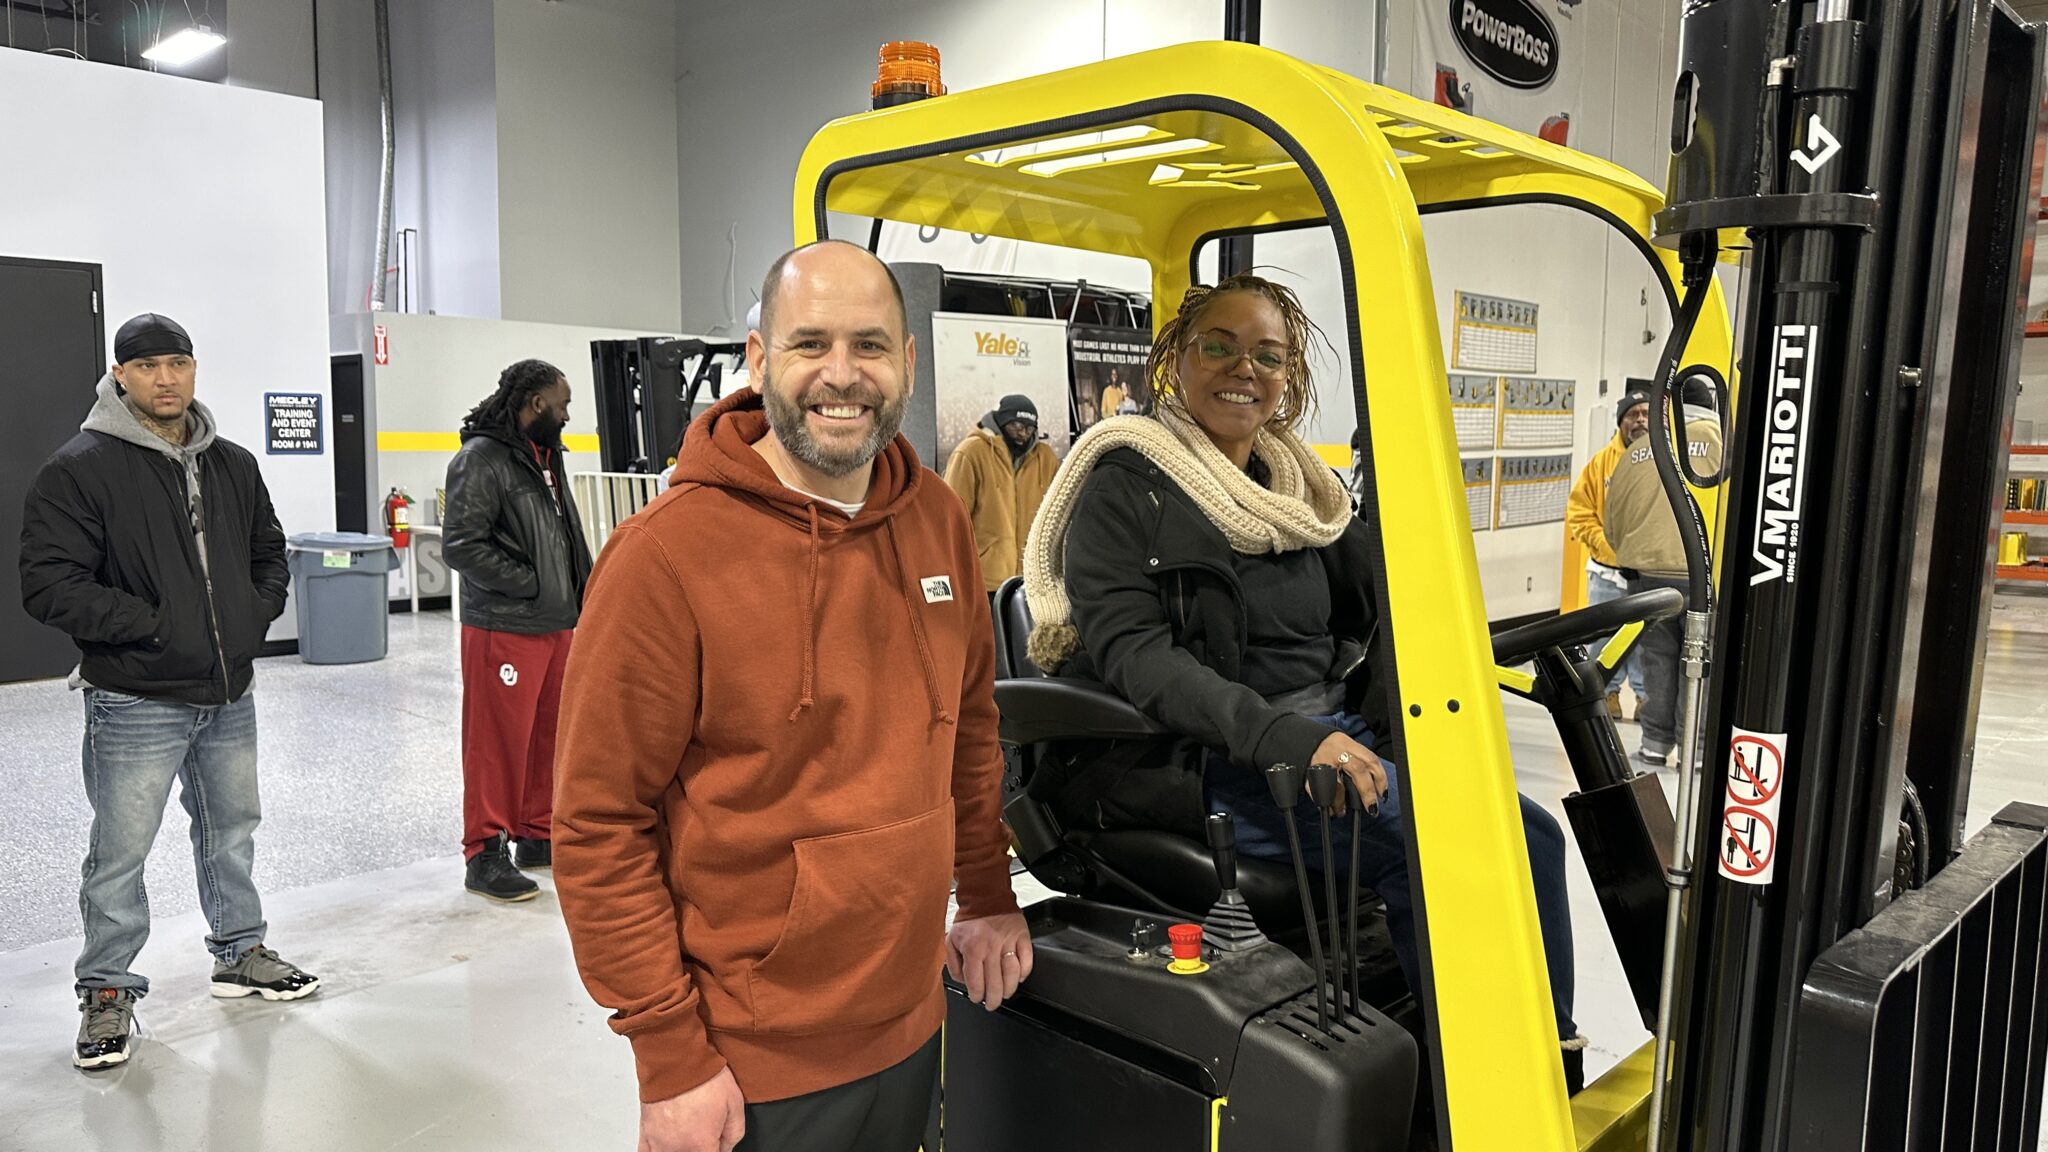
x,y
1001,345
937,589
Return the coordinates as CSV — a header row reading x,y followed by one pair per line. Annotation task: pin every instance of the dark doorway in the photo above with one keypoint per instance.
x,y
351,452
52,351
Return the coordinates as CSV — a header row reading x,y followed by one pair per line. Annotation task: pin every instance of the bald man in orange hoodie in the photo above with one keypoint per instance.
x,y
779,748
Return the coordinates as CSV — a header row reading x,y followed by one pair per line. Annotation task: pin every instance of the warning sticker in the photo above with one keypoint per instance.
x,y
1749,845
1749,818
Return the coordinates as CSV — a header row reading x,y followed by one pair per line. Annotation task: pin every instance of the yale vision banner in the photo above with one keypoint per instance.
x,y
977,360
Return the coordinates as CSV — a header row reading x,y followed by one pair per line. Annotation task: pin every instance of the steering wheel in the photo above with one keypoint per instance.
x,y
1586,625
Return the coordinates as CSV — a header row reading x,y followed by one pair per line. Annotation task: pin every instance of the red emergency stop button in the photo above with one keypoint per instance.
x,y
1187,949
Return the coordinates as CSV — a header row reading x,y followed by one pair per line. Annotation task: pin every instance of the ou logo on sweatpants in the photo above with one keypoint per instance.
x,y
508,674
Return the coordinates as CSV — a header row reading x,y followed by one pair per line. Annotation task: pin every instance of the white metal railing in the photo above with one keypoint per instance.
x,y
604,499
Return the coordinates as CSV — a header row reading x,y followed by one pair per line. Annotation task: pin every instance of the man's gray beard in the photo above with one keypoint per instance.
x,y
786,420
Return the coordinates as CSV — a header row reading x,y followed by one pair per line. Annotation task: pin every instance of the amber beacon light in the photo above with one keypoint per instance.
x,y
909,70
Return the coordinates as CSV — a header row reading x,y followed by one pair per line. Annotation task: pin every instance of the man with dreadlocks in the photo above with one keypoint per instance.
x,y
511,530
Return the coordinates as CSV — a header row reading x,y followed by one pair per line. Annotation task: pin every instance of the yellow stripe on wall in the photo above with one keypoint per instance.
x,y
1337,456
450,442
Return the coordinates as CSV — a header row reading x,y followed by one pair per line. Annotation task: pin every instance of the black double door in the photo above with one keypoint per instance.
x,y
52,352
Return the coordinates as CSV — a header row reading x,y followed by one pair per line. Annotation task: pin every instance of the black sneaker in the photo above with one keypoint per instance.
x,y
490,874
533,854
103,1033
261,972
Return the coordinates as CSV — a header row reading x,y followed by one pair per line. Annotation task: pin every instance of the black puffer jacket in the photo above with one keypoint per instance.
x,y
1164,620
520,552
109,556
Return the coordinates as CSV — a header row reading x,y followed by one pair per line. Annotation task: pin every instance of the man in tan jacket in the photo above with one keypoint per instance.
x,y
1643,531
1001,473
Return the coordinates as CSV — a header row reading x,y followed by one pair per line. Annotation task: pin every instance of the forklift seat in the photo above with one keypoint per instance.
x,y
1040,713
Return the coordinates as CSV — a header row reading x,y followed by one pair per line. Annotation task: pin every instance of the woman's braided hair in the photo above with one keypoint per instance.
x,y
516,385
1162,367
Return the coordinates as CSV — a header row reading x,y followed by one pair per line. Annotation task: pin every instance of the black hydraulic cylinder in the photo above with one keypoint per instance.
x,y
1770,797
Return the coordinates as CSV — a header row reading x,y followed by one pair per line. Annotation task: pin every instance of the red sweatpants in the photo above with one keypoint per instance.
x,y
511,697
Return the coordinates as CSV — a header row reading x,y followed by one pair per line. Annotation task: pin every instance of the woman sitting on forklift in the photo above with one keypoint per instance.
x,y
1206,565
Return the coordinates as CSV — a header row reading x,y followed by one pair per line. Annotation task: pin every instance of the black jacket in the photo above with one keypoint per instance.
x,y
520,552
109,556
1163,619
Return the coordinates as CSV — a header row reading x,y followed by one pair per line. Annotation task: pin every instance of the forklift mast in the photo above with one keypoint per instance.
x,y
1851,975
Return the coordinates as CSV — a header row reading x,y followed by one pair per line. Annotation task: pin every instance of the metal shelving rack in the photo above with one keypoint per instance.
x,y
2036,568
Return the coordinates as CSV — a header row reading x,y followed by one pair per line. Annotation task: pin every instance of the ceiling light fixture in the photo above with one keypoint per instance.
x,y
187,45
999,157
1118,156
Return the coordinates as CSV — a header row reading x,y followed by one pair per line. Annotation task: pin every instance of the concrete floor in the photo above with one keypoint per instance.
x,y
447,1023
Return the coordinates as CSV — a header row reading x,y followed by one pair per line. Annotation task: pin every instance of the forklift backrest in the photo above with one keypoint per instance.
x,y
1013,631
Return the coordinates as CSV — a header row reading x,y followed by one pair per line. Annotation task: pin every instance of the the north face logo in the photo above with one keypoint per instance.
x,y
508,674
937,589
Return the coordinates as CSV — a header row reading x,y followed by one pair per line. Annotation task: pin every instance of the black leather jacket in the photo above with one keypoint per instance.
x,y
520,551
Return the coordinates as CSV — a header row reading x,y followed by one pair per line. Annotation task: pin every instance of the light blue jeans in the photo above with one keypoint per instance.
x,y
1600,590
134,749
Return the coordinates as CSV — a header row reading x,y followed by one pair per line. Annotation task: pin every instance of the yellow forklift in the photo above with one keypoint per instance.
x,y
1922,119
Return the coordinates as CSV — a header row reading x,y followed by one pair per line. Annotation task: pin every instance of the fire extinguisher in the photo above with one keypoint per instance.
x,y
397,520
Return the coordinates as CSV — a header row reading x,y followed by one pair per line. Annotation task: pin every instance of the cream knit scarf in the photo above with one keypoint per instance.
x,y
1305,507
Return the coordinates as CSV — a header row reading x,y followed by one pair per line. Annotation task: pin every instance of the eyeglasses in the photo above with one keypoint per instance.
x,y
1222,354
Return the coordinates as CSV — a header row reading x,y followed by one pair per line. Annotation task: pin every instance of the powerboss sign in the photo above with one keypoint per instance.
x,y
1776,548
1511,40
1002,346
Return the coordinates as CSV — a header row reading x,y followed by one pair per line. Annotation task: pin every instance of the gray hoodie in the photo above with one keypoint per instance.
x,y
112,416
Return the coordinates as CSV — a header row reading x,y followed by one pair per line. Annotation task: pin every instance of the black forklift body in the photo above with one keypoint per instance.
x,y
1121,1052
1889,214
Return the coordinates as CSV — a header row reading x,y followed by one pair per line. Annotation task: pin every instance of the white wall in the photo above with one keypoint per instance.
x,y
535,154
270,45
755,81
445,115
199,201
348,102
587,209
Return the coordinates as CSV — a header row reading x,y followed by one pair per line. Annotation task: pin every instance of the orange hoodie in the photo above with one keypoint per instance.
x,y
777,744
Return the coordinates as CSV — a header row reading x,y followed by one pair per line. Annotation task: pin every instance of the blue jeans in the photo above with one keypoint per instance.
x,y
1600,590
134,748
1383,858
1660,648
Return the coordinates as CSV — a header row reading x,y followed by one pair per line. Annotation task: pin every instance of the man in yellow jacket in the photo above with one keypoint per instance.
x,y
1584,514
1645,536
1001,473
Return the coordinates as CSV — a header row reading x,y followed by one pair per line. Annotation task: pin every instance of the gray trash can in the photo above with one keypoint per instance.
x,y
343,594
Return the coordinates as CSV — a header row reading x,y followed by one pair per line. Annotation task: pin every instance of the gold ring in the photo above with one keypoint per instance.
x,y
1009,955
1343,757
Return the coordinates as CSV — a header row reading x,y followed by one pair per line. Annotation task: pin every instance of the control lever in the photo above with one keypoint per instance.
x,y
1357,805
1324,789
1284,782
1229,926
1223,846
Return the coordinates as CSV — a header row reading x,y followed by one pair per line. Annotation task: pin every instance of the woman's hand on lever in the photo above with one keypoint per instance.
x,y
1356,761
